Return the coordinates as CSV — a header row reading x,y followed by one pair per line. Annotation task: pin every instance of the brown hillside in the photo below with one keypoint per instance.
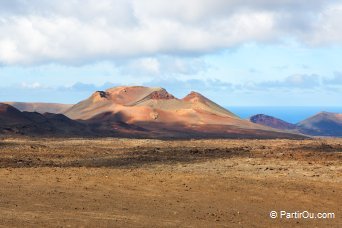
x,y
160,113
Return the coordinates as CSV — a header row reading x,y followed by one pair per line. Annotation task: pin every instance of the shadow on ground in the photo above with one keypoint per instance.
x,y
135,158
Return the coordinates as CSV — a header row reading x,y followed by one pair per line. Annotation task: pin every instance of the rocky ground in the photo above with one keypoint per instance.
x,y
154,183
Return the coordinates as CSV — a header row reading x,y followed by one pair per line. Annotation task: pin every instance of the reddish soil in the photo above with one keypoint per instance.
x,y
154,183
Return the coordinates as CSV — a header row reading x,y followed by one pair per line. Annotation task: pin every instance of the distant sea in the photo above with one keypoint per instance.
x,y
289,114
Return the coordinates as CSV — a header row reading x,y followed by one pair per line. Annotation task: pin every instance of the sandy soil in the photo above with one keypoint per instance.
x,y
152,183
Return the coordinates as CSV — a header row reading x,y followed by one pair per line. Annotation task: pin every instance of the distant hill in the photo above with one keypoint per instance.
x,y
271,121
322,124
40,107
13,121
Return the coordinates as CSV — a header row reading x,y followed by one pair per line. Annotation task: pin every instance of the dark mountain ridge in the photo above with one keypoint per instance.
x,y
321,124
13,121
272,122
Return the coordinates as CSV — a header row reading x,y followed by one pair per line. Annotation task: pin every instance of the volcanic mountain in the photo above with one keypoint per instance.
x,y
40,107
155,112
322,124
271,121
13,121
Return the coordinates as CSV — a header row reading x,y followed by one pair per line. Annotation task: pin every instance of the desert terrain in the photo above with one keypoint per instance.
x,y
162,183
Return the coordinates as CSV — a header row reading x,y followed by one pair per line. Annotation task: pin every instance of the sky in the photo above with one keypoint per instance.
x,y
235,52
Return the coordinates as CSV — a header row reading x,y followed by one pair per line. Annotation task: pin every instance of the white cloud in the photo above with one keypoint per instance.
x,y
149,65
292,82
328,29
34,85
163,66
92,30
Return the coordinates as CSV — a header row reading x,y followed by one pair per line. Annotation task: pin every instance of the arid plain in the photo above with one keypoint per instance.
x,y
180,183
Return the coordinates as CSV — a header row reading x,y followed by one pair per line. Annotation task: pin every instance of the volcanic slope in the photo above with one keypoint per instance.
x,y
322,124
13,121
155,111
271,121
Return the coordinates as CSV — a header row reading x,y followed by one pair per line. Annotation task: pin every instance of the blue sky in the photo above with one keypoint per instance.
x,y
238,53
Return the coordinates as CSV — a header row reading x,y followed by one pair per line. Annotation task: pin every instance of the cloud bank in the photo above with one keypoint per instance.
x,y
78,32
